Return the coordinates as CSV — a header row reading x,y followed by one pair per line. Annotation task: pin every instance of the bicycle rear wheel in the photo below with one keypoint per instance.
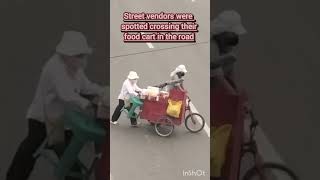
x,y
164,128
270,171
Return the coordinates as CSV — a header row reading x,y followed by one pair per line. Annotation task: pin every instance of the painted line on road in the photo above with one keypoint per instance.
x,y
206,127
150,45
156,50
266,149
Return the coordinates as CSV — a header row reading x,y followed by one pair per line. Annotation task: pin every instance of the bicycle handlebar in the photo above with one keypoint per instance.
x,y
175,81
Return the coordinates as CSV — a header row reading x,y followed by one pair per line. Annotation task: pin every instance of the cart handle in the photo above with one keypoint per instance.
x,y
174,81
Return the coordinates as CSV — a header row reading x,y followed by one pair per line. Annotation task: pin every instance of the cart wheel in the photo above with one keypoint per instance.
x,y
164,128
270,171
194,122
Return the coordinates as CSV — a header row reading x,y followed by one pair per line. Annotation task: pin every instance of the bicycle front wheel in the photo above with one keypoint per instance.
x,y
270,171
194,122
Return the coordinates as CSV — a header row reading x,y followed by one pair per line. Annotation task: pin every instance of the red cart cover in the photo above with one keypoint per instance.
x,y
226,109
153,110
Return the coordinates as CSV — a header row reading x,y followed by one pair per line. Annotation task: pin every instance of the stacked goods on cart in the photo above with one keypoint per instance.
x,y
154,93
164,94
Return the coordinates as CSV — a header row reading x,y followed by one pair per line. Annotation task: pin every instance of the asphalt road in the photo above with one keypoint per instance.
x,y
138,153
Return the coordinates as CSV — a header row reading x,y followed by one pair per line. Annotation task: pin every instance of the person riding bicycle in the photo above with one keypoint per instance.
x,y
225,32
61,82
129,89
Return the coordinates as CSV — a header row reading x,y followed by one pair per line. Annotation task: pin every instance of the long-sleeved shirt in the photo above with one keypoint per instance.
x,y
213,58
171,84
128,89
56,88
225,62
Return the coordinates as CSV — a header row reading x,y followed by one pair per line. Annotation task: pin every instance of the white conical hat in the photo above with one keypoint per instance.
x,y
230,21
73,43
133,75
181,68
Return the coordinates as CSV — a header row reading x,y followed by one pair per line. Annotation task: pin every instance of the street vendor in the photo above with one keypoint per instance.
x,y
129,89
62,81
226,29
175,76
225,32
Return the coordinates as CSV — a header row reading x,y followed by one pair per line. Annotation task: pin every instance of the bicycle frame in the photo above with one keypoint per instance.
x,y
252,147
187,108
55,159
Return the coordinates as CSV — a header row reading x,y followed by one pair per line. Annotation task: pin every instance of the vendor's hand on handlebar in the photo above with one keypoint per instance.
x,y
162,85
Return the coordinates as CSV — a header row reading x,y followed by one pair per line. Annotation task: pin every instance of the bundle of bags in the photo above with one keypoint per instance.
x,y
154,92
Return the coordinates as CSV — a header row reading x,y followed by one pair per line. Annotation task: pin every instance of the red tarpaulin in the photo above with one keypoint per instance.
x,y
226,109
153,110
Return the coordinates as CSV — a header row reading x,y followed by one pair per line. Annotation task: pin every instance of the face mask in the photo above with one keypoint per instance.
x,y
180,74
73,64
133,81
226,41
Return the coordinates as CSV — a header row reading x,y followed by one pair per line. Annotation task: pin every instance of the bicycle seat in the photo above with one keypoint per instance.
x,y
84,126
136,101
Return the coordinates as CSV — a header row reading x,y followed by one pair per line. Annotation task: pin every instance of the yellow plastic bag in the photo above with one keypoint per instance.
x,y
174,108
218,149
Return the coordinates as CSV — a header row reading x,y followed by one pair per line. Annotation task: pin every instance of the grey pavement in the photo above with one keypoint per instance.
x,y
138,153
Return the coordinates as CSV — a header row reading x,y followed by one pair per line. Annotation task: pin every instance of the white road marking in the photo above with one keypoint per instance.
x,y
111,178
266,148
150,45
206,127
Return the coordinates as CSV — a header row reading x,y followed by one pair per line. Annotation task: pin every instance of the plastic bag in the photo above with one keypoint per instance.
x,y
218,148
174,108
